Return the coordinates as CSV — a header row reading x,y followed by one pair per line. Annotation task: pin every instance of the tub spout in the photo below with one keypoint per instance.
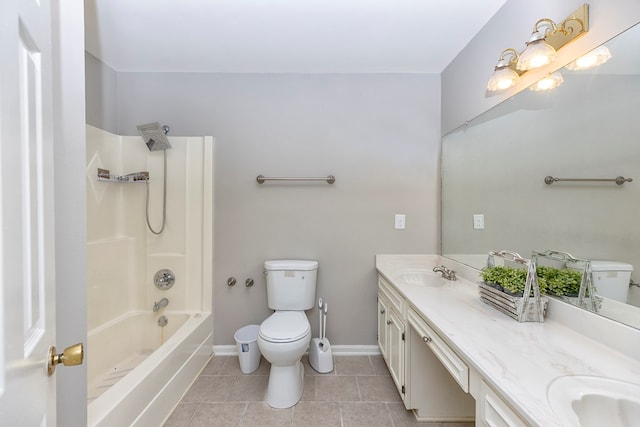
x,y
160,304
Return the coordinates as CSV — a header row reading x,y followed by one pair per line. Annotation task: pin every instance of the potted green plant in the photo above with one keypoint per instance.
x,y
509,280
560,282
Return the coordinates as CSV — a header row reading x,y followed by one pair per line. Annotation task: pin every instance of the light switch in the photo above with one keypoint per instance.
x,y
478,221
401,221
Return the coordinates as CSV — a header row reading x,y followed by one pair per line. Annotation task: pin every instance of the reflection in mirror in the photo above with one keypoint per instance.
x,y
587,127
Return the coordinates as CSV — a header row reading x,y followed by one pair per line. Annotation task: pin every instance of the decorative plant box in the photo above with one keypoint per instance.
x,y
513,306
523,309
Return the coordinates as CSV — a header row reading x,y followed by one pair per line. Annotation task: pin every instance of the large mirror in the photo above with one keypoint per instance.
x,y
588,128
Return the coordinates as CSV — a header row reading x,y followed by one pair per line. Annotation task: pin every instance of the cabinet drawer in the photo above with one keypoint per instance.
x,y
450,360
394,297
494,412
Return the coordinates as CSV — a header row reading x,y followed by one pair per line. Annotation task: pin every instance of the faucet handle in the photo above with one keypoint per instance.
x,y
164,279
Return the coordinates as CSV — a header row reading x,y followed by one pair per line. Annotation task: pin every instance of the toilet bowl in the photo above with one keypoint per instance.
x,y
283,338
285,335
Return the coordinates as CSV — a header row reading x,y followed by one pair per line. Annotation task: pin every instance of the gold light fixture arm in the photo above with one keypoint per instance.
x,y
574,26
514,55
550,29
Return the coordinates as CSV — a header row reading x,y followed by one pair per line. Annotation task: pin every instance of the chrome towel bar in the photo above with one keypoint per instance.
x,y
618,180
330,179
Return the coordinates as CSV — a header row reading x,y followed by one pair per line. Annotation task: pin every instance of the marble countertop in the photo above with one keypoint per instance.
x,y
519,360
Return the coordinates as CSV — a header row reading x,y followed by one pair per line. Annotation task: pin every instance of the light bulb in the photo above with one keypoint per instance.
x,y
548,82
594,58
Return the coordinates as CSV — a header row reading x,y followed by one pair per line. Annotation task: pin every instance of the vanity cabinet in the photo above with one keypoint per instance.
x,y
431,377
391,332
437,379
493,411
423,375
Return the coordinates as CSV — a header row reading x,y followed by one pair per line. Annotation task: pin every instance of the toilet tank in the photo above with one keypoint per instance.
x,y
610,278
291,284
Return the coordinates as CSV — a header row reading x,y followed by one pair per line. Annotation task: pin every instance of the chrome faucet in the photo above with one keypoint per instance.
x,y
446,273
160,304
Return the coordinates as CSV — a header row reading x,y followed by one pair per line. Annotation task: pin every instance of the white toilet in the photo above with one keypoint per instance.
x,y
285,335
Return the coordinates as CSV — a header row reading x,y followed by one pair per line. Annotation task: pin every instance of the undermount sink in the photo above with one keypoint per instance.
x,y
589,401
418,276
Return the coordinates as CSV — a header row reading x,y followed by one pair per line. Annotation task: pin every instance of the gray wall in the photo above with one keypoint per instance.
x,y
101,88
464,80
378,134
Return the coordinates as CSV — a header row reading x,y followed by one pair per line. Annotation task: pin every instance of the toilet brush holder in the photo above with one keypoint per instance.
x,y
320,355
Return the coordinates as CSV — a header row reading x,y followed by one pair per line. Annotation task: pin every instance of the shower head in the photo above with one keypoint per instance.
x,y
155,136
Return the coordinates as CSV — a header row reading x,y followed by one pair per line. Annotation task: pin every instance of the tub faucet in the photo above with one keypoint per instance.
x,y
160,304
446,273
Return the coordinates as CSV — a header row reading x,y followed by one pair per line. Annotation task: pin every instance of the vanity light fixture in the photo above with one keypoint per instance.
x,y
538,52
548,82
547,37
504,75
592,59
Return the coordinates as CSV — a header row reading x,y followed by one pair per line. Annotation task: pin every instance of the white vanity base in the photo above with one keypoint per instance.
x,y
444,347
432,392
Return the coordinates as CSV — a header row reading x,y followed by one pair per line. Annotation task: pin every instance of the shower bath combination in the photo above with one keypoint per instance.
x,y
130,348
155,137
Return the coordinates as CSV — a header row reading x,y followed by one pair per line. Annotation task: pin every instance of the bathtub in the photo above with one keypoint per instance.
x,y
151,367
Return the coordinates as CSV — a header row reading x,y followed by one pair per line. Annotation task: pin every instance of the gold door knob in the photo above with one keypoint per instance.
x,y
71,356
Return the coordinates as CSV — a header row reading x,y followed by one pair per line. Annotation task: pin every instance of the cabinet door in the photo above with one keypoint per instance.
x,y
492,411
383,314
396,349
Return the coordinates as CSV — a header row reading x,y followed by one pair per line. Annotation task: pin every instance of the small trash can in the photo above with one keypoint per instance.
x,y
248,351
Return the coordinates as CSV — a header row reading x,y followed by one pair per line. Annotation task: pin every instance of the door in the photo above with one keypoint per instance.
x,y
27,392
395,337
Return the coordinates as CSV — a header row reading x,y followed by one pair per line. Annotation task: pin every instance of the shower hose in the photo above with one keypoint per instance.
x,y
164,198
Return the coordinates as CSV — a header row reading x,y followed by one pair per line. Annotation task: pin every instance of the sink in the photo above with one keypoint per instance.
x,y
590,401
418,276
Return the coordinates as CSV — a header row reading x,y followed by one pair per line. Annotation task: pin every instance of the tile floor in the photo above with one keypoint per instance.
x,y
358,393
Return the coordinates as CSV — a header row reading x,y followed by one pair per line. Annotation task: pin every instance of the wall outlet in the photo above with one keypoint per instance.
x,y
400,221
478,221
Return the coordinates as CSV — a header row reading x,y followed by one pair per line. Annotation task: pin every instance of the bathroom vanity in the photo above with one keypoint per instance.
x,y
454,358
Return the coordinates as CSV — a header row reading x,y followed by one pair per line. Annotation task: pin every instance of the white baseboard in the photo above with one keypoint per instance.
x,y
338,350
225,350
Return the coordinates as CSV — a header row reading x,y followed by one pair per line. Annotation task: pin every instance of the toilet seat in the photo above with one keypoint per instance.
x,y
285,326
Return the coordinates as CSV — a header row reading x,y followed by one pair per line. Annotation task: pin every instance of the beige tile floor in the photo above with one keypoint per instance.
x,y
358,393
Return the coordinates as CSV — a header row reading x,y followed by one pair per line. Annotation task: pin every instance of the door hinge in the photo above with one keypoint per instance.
x,y
403,336
402,389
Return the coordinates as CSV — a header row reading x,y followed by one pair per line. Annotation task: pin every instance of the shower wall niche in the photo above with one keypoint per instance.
x,y
122,255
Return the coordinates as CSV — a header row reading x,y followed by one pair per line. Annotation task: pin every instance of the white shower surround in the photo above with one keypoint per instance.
x,y
122,258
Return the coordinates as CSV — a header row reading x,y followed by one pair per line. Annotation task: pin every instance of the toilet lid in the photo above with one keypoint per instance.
x,y
285,326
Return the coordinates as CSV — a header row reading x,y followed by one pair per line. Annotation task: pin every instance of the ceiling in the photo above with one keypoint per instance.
x,y
283,36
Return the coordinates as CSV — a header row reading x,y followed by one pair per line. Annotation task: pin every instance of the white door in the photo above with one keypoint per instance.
x,y
27,393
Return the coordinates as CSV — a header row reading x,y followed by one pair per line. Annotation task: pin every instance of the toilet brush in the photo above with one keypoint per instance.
x,y
320,332
320,357
323,335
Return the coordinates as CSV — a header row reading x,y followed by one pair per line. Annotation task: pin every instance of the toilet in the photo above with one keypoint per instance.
x,y
285,335
610,278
